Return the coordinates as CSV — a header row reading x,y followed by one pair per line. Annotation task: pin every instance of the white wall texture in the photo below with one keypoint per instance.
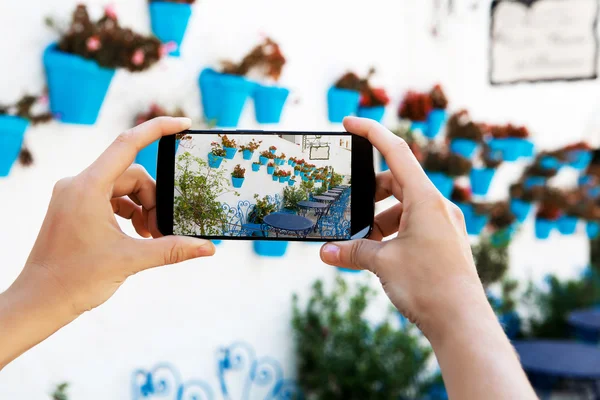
x,y
182,314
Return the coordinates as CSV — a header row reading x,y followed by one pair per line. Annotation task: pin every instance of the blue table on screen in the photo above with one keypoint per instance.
x,y
548,362
289,224
586,324
326,199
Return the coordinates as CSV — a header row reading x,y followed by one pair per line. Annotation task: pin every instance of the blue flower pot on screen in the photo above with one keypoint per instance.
x,y
230,152
275,178
442,182
268,103
247,154
567,224
224,96
520,209
282,179
255,167
349,271
270,170
12,132
374,113
435,121
217,242
291,182
237,182
169,22
296,172
592,229
463,147
481,180
148,157
549,162
341,103
263,160
534,181
270,249
272,151
543,227
76,86
214,161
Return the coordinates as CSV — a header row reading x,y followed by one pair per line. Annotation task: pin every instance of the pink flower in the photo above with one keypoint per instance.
x,y
138,57
110,12
167,48
93,43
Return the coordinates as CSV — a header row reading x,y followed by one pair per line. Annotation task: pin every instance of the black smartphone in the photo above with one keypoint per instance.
x,y
259,185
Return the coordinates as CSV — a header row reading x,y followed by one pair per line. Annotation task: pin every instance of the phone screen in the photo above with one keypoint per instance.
x,y
288,186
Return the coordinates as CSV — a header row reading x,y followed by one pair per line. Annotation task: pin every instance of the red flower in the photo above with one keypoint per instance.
x,y
93,43
138,57
110,12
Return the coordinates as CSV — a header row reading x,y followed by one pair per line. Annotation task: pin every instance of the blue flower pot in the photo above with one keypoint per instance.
x,y
341,103
592,229
534,181
217,242
237,182
526,147
476,222
275,178
349,271
263,160
277,161
148,157
268,103
580,159
247,154
214,161
230,152
12,132
255,167
270,170
442,182
567,224
169,22
374,113
384,166
272,151
520,209
509,149
291,182
76,86
296,172
463,147
549,162
435,121
304,179
270,248
543,227
585,180
419,126
466,209
282,179
481,179
224,96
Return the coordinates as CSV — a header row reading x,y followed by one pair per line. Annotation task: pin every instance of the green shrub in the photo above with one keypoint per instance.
x,y
292,196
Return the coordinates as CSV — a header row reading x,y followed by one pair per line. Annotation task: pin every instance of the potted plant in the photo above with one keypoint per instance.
x,y
229,145
80,67
280,159
579,155
265,156
169,20
415,107
216,155
510,141
60,393
276,174
546,219
271,168
536,176
343,97
481,178
283,176
464,135
256,166
520,201
262,208
273,149
249,149
443,168
238,176
292,181
292,162
14,121
437,116
372,100
476,215
297,170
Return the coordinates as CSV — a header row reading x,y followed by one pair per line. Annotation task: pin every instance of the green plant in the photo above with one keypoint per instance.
x,y
491,261
60,393
228,142
251,145
320,190
238,171
261,209
336,179
342,355
197,209
307,187
292,196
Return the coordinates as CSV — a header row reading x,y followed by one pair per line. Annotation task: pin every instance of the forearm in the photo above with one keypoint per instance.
x,y
476,358
29,313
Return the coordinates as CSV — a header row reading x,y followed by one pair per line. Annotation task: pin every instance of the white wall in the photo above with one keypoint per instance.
x,y
182,314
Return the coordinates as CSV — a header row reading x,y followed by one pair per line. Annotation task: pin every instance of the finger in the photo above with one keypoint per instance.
x,y
355,254
402,163
387,223
136,183
121,153
385,187
125,208
170,250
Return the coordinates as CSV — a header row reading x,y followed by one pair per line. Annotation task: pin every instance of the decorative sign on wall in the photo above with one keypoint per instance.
x,y
319,152
543,40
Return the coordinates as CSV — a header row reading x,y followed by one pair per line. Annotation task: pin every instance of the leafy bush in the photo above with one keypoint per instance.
x,y
238,171
292,196
342,355
60,393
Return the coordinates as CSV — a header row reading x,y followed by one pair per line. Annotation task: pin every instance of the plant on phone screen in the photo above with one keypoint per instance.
x,y
261,209
268,154
197,209
307,187
300,162
217,149
266,57
320,190
238,171
60,393
270,164
336,179
281,156
228,142
251,145
256,163
292,196
273,148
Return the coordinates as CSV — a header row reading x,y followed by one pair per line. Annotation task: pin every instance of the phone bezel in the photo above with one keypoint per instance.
x,y
362,209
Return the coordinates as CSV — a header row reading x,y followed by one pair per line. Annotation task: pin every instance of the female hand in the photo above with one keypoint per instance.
x,y
81,256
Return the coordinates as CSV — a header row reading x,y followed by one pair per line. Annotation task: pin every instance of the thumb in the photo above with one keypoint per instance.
x,y
171,250
355,254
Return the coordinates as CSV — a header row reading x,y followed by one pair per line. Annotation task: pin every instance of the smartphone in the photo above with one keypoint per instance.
x,y
258,185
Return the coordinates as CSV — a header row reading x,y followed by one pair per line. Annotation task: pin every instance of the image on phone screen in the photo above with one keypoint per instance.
x,y
263,186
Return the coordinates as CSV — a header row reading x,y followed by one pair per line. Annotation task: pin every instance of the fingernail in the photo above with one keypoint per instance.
x,y
331,253
207,248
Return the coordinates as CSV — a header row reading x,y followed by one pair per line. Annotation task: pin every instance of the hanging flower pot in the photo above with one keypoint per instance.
x,y
230,152
263,160
237,176
255,167
463,147
224,96
580,159
247,154
169,22
374,113
534,181
435,121
148,157
282,179
592,229
270,169
567,224
270,248
76,86
543,227
520,209
291,182
237,182
476,222
349,271
549,162
12,132
275,177
214,161
296,172
341,103
481,179
442,182
420,126
272,149
268,103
